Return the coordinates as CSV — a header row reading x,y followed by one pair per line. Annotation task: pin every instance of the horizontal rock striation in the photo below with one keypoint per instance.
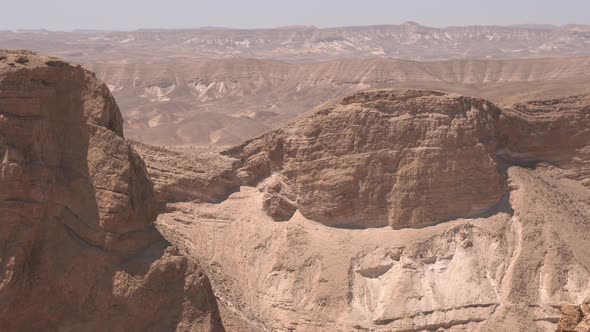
x,y
387,157
410,158
554,131
403,158
181,177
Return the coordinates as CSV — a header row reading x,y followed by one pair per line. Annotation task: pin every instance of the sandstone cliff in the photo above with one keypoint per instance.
x,y
410,157
503,191
397,157
554,131
78,249
180,177
505,186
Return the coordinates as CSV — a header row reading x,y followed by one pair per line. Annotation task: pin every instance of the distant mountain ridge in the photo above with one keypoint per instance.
x,y
308,43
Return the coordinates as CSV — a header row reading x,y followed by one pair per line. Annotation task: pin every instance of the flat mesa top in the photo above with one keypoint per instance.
x,y
16,59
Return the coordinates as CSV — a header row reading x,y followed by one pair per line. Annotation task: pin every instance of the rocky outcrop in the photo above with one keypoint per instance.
x,y
278,201
574,318
509,269
410,158
78,248
182,177
389,157
512,180
554,131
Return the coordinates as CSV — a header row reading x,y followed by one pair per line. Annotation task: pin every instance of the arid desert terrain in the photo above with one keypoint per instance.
x,y
378,178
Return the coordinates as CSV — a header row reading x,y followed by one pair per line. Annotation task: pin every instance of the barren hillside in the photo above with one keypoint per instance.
x,y
224,102
385,210
216,86
324,225
307,43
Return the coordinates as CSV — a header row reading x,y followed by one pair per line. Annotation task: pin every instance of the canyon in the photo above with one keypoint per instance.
x,y
325,232
383,178
219,87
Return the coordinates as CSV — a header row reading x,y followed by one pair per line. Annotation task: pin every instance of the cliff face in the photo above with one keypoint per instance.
x,y
78,247
504,191
390,157
408,158
554,131
510,184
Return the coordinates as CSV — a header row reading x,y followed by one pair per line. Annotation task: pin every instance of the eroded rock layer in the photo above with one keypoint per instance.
x,y
508,272
180,177
78,249
409,158
397,157
514,180
556,131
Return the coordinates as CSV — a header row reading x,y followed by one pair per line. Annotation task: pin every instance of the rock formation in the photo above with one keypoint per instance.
x,y
79,250
510,184
503,191
553,130
181,177
385,157
409,157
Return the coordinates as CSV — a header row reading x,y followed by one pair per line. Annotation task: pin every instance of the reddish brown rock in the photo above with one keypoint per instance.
x,y
389,157
554,131
100,107
181,177
123,190
78,248
571,316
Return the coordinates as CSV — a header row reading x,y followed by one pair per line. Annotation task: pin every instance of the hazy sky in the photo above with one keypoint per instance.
x,y
134,14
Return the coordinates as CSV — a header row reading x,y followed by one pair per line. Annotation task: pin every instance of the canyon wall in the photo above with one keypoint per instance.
x,y
78,246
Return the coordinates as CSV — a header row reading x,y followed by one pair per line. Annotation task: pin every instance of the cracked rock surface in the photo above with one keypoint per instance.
x,y
78,248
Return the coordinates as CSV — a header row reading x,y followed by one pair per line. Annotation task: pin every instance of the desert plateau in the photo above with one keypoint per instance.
x,y
362,177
